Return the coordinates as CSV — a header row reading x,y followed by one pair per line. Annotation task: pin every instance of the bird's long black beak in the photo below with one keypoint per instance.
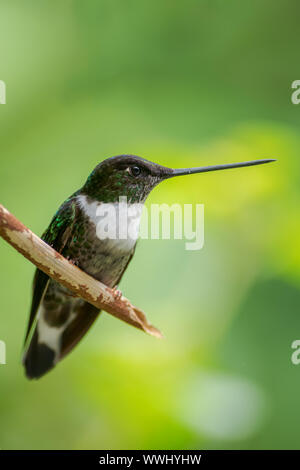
x,y
203,169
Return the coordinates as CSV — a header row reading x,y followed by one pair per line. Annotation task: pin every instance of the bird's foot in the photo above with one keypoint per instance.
x,y
117,293
71,261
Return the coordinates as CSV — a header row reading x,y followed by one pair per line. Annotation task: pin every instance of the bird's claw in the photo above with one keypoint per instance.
x,y
117,293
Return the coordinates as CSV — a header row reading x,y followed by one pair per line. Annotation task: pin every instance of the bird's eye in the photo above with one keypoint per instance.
x,y
135,170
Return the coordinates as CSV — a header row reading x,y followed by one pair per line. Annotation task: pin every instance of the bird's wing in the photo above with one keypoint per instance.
x,y
56,235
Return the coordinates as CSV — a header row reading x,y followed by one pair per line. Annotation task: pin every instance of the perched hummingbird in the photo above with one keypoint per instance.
x,y
58,319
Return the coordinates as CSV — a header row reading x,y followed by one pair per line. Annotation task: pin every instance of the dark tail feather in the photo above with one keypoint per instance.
x,y
38,359
85,316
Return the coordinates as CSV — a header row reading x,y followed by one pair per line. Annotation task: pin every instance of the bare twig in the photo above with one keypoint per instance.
x,y
70,276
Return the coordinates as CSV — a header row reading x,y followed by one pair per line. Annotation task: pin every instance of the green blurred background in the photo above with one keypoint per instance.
x,y
181,83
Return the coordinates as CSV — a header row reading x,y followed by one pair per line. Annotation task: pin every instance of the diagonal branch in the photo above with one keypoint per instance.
x,y
70,276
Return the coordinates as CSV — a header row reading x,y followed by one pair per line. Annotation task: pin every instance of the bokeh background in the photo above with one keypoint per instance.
x,y
182,83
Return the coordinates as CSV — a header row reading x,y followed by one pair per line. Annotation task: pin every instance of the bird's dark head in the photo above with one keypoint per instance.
x,y
124,175
135,177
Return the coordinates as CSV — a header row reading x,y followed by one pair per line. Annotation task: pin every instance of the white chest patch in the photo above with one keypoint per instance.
x,y
117,222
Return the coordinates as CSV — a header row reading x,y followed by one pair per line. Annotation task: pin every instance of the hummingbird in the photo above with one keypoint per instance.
x,y
58,319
